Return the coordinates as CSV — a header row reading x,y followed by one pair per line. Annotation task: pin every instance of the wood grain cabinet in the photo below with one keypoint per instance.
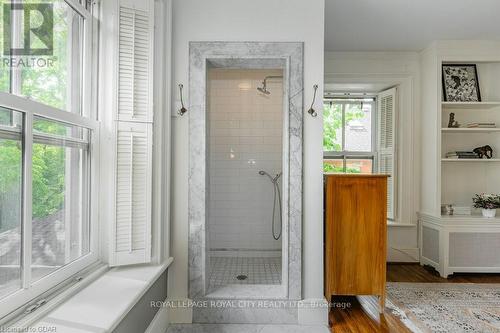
x,y
355,235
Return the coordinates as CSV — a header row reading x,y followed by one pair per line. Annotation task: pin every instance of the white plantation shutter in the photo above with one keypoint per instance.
x,y
135,61
386,142
131,243
386,166
133,194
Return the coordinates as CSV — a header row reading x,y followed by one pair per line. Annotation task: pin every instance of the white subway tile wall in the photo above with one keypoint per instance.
x,y
245,136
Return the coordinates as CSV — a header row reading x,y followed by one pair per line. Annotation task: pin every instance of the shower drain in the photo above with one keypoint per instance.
x,y
242,277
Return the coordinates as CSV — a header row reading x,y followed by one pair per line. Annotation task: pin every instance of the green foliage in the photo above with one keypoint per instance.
x,y
332,123
49,127
10,164
4,71
5,116
332,117
332,168
486,201
337,169
48,180
10,184
48,85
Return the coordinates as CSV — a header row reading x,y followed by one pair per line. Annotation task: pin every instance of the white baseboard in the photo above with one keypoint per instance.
x,y
403,255
178,312
159,324
313,312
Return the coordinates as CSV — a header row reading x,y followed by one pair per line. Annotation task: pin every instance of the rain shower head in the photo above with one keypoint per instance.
x,y
263,89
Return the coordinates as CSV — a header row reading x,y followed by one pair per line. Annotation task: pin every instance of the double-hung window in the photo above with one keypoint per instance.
x,y
360,137
349,135
48,140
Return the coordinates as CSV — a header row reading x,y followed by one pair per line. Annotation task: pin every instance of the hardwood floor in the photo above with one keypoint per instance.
x,y
362,315
417,273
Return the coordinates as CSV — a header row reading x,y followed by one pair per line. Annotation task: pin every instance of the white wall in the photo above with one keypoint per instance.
x,y
375,71
245,136
257,20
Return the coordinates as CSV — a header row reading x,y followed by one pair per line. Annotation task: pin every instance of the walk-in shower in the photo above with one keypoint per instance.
x,y
235,131
245,128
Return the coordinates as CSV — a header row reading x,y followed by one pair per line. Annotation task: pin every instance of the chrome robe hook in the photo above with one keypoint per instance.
x,y
182,109
311,111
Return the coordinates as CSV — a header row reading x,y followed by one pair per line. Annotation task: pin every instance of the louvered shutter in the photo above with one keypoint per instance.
x,y
131,242
135,61
133,194
386,142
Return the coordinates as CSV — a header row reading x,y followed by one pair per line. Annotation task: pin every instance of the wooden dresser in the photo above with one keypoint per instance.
x,y
355,235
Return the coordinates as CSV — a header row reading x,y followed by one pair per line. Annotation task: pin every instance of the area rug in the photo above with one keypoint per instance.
x,y
446,307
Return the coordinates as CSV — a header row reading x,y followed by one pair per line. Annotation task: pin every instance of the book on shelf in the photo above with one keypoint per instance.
x,y
461,154
481,125
462,210
462,157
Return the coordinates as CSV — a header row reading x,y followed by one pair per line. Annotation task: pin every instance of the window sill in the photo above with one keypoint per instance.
x,y
399,224
100,306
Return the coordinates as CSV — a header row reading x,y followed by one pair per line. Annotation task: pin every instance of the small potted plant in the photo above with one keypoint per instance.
x,y
488,203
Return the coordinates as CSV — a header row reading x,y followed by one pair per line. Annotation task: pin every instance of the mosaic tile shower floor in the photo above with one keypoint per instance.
x,y
257,270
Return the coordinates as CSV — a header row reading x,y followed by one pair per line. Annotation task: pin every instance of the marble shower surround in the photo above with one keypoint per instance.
x,y
245,55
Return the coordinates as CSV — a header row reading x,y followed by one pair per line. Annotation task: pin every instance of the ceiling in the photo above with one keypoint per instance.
x,y
407,25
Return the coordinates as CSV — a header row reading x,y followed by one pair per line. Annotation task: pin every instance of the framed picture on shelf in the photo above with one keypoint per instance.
x,y
461,83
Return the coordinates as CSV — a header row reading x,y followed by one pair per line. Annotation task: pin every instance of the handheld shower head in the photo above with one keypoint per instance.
x,y
277,195
274,179
263,173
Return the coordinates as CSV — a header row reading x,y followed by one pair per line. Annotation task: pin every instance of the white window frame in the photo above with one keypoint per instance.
x,y
30,290
345,155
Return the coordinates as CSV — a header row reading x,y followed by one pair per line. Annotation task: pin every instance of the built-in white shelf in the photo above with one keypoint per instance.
x,y
469,105
470,160
475,217
470,130
442,238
